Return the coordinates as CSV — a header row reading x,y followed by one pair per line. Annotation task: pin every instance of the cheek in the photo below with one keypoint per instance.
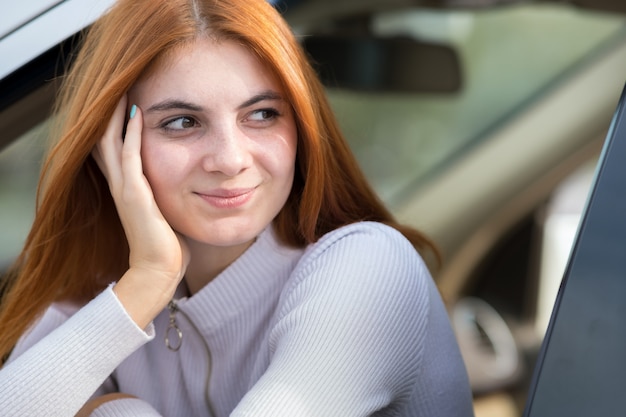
x,y
283,153
279,160
162,165
150,159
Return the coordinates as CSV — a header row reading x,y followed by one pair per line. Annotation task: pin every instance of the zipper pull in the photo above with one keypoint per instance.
x,y
173,327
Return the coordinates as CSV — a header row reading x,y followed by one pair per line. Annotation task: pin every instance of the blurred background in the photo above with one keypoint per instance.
x,y
479,122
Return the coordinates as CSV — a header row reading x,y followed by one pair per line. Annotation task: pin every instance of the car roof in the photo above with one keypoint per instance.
x,y
21,28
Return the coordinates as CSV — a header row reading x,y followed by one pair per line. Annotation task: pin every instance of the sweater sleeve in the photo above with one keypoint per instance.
x,y
59,373
350,331
127,407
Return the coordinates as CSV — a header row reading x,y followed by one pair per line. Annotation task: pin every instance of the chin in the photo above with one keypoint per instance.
x,y
226,236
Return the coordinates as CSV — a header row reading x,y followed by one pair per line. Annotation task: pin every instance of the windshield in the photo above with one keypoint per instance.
x,y
509,55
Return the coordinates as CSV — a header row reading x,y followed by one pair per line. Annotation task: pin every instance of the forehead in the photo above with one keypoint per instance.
x,y
207,66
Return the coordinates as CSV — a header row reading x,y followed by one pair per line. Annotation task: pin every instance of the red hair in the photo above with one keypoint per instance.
x,y
77,243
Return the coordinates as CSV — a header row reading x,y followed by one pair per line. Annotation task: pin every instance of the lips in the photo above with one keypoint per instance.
x,y
228,198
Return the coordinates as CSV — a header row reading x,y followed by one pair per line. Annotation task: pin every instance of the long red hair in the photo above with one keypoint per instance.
x,y
77,240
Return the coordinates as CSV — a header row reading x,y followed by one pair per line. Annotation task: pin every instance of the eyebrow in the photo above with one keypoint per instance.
x,y
173,104
265,95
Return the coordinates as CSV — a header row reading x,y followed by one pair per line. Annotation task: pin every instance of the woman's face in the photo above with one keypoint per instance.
x,y
218,142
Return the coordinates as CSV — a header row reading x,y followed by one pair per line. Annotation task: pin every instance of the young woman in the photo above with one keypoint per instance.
x,y
206,245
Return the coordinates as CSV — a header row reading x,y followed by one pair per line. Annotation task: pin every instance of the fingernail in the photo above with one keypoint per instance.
x,y
133,110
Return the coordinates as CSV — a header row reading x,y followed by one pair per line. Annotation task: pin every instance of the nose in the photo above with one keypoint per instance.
x,y
227,150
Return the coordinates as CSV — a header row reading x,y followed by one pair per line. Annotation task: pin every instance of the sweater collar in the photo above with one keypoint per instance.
x,y
259,272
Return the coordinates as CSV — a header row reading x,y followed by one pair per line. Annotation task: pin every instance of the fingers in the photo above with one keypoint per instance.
x,y
119,158
131,149
108,151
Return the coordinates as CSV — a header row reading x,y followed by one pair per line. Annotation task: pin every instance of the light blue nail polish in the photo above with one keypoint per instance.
x,y
133,111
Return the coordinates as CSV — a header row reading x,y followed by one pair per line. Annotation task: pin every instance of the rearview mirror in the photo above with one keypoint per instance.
x,y
390,64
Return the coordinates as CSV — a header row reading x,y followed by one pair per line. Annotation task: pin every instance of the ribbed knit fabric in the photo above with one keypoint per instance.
x,y
57,376
351,326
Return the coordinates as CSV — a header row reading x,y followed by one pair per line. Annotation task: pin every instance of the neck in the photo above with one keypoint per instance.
x,y
207,262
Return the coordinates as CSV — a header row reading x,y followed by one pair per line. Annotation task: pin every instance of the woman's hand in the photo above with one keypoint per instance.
x,y
158,255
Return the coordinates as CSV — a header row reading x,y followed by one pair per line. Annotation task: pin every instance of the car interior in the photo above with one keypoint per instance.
x,y
481,122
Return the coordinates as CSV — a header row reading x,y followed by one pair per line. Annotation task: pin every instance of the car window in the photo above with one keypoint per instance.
x,y
510,56
19,171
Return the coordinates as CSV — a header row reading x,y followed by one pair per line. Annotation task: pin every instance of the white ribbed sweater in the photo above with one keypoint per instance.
x,y
351,326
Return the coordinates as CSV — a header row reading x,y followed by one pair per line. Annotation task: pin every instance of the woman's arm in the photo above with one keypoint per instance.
x,y
59,373
348,337
361,332
158,255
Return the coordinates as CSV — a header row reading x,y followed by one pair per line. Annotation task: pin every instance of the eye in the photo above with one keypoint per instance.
x,y
180,123
263,115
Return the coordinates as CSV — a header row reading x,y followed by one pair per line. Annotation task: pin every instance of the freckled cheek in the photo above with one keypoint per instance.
x,y
277,160
164,166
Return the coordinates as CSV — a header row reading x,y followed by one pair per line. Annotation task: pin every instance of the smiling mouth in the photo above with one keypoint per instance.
x,y
228,199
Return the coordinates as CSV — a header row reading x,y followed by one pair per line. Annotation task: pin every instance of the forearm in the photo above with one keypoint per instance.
x,y
59,374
